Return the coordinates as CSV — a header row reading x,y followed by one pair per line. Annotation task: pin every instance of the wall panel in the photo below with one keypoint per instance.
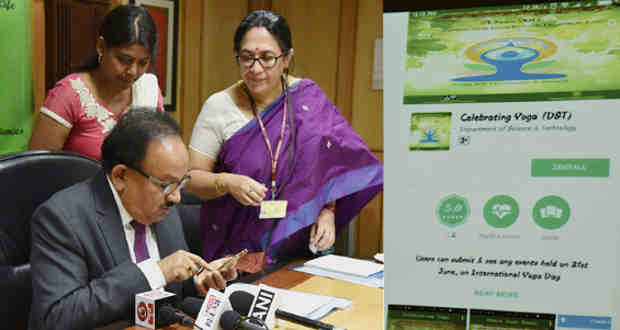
x,y
219,68
314,25
368,103
367,120
189,64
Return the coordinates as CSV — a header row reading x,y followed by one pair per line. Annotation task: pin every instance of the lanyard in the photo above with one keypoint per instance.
x,y
274,158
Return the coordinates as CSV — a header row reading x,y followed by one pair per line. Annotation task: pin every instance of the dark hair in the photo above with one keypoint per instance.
x,y
123,26
274,23
129,139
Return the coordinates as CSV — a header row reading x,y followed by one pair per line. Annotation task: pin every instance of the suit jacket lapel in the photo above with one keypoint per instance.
x,y
109,219
164,237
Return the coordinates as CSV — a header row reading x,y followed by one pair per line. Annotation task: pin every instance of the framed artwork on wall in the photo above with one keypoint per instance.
x,y
165,15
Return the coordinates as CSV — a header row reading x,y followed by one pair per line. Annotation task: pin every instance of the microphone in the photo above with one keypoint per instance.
x,y
213,307
191,306
264,305
241,301
232,320
154,310
148,306
168,315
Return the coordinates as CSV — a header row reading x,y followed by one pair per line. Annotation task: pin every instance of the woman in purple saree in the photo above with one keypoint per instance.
x,y
324,170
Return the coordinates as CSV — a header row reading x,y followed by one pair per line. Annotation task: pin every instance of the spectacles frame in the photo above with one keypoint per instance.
x,y
167,188
260,60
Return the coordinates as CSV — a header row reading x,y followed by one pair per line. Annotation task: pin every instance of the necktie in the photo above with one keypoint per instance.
x,y
139,244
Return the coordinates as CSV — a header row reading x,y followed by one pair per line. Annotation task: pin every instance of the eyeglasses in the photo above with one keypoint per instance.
x,y
167,188
266,61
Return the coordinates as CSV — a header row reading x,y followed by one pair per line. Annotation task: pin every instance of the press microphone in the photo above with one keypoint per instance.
x,y
191,306
241,301
264,305
213,307
155,309
148,307
168,315
232,320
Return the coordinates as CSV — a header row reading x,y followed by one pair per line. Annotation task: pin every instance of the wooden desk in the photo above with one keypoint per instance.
x,y
365,314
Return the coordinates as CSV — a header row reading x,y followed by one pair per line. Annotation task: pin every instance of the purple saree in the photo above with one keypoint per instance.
x,y
330,162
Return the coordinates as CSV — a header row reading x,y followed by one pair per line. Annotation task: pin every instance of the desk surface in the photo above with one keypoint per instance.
x,y
366,313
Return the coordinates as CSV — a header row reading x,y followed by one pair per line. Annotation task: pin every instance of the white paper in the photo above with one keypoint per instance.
x,y
346,265
375,280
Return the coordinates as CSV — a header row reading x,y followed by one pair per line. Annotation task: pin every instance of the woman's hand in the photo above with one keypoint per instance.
x,y
323,231
243,188
208,185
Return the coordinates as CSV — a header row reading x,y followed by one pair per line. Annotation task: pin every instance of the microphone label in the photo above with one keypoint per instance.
x,y
147,306
264,305
215,304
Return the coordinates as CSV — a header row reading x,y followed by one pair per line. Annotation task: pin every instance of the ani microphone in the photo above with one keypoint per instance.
x,y
231,320
241,301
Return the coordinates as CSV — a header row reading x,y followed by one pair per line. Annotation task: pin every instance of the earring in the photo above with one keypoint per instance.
x,y
99,58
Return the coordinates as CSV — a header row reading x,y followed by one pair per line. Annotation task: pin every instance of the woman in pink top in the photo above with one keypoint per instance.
x,y
84,106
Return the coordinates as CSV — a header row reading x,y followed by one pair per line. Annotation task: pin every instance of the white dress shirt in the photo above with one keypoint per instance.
x,y
149,267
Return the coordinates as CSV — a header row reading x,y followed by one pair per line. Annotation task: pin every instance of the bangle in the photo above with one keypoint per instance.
x,y
219,187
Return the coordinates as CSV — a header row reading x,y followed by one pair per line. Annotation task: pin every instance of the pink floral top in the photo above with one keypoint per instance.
x,y
72,104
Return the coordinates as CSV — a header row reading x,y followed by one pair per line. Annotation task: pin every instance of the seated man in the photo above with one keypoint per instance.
x,y
97,244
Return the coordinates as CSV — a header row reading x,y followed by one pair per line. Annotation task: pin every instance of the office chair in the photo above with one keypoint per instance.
x,y
27,179
189,212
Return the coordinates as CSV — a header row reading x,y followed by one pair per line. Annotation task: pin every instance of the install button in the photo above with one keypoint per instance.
x,y
587,167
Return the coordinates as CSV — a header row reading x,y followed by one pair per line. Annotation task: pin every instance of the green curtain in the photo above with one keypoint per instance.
x,y
16,98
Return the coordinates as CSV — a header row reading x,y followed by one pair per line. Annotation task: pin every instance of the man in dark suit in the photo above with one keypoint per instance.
x,y
97,244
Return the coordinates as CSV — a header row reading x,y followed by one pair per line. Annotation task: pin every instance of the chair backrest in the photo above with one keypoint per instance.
x,y
27,179
189,211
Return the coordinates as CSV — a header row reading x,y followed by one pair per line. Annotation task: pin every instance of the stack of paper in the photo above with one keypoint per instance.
x,y
314,306
348,269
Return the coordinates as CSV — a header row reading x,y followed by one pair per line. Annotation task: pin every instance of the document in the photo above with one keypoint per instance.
x,y
353,270
346,265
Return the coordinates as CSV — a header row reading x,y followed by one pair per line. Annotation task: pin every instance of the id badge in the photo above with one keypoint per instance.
x,y
273,209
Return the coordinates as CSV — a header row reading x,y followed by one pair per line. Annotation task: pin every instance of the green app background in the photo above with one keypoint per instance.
x,y
587,46
424,123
